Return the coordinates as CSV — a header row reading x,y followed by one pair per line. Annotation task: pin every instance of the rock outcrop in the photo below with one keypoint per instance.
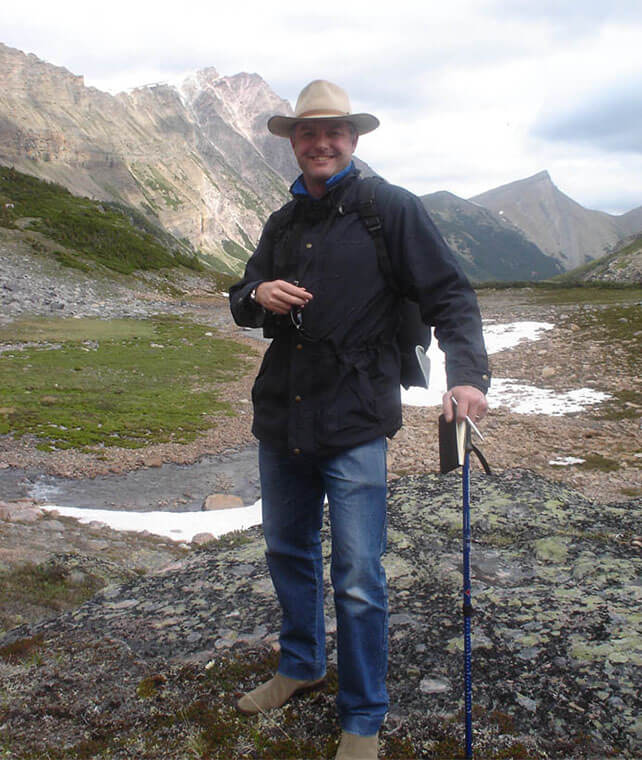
x,y
623,266
556,655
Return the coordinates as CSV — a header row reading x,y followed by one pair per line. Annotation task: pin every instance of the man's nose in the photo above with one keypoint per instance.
x,y
321,140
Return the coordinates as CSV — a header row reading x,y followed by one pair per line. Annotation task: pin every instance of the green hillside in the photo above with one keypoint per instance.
x,y
113,235
487,247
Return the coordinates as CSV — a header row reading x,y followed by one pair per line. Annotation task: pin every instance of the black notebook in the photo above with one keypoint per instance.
x,y
452,444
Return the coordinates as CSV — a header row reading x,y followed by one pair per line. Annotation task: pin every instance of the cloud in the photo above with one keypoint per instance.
x,y
568,18
609,118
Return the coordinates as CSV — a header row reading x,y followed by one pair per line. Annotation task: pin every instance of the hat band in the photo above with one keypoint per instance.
x,y
311,114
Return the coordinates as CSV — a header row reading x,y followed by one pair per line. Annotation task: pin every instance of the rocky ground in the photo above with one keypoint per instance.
x,y
149,667
556,576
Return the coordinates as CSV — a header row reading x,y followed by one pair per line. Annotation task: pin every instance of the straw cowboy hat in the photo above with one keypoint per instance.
x,y
322,100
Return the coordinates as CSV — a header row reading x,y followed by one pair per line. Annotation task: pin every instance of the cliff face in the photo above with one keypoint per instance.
x,y
191,159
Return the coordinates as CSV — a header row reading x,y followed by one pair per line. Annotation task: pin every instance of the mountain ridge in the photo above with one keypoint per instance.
x,y
557,224
489,246
197,160
142,148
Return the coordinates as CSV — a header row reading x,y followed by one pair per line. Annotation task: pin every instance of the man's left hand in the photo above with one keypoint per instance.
x,y
471,402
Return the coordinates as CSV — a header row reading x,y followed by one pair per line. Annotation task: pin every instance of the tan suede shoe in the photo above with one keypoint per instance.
x,y
354,747
274,693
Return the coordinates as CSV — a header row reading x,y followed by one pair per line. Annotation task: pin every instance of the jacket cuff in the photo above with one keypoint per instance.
x,y
250,312
461,376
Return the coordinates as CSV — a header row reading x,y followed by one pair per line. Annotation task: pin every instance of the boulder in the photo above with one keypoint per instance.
x,y
202,538
221,501
23,511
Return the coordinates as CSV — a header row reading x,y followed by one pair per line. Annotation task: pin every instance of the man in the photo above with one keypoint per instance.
x,y
328,394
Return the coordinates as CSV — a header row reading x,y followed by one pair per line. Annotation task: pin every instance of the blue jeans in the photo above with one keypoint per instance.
x,y
293,490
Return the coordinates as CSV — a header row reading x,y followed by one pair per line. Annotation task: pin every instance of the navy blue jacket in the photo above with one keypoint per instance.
x,y
334,383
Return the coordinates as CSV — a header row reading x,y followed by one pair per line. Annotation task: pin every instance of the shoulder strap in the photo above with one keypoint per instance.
x,y
280,226
369,214
281,218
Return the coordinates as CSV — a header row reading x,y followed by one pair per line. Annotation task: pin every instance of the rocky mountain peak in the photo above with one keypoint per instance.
x,y
558,225
147,148
206,76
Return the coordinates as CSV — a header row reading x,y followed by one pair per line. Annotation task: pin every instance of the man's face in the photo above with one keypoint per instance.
x,y
322,148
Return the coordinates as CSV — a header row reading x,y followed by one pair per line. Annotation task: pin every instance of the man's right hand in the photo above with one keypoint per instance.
x,y
280,296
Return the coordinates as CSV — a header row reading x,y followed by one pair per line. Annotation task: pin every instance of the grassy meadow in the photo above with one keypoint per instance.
x,y
90,383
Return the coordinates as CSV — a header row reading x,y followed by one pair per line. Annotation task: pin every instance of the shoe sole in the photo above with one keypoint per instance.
x,y
301,690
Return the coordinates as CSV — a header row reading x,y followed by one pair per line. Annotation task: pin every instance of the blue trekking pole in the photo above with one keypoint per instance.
x,y
466,590
467,601
455,446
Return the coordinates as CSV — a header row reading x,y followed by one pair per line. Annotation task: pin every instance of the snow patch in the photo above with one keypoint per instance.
x,y
179,526
519,398
566,461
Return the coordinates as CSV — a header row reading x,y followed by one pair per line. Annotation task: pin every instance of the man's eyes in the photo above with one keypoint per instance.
x,y
310,134
330,133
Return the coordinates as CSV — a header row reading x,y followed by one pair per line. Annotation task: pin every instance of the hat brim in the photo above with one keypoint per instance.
x,y
282,126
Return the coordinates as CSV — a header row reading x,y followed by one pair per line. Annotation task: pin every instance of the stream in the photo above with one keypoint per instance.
x,y
170,487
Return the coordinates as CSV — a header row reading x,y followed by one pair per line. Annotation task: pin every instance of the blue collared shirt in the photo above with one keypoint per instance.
x,y
299,188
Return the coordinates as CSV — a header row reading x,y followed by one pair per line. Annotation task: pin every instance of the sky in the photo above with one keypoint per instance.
x,y
471,94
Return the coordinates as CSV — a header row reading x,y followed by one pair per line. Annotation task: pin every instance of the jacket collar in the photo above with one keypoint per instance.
x,y
299,190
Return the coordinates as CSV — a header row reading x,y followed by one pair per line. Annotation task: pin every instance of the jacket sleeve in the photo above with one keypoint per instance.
x,y
428,273
245,311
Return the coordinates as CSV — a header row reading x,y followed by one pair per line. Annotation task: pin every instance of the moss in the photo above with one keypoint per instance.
x,y
230,540
516,751
47,587
599,462
151,686
398,748
448,749
217,731
623,405
228,674
88,748
504,721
